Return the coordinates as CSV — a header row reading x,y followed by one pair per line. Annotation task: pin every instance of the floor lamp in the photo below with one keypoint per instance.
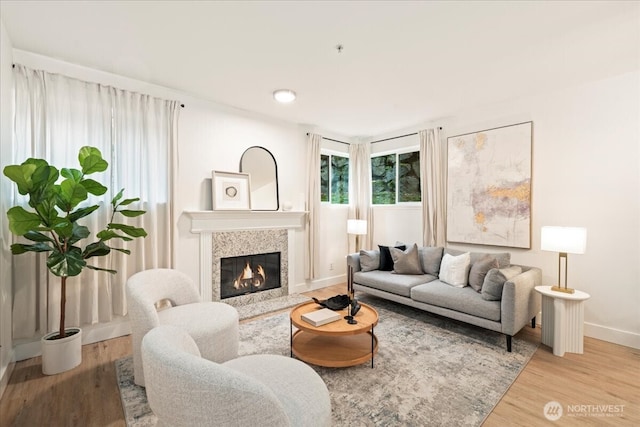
x,y
565,240
358,227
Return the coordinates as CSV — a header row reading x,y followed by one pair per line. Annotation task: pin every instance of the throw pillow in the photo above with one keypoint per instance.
x,y
406,262
431,258
369,260
454,270
479,270
503,258
494,282
386,262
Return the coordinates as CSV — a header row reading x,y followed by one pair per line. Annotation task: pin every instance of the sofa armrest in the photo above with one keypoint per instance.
x,y
353,260
520,302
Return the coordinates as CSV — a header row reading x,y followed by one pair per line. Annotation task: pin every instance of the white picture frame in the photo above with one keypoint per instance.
x,y
231,191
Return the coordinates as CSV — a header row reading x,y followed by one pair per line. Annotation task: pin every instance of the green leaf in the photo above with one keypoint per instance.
x,y
127,202
35,236
19,248
21,175
129,229
117,197
124,251
91,160
66,264
22,221
96,249
131,213
105,235
101,269
79,232
72,174
72,193
82,212
93,187
64,228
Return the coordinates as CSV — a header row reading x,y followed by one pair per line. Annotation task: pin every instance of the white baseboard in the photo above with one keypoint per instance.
x,y
319,284
616,336
90,333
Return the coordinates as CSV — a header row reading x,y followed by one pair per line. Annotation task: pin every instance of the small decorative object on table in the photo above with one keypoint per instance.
x,y
354,305
320,317
334,303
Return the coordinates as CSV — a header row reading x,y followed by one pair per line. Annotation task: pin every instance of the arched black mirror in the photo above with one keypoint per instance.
x,y
261,166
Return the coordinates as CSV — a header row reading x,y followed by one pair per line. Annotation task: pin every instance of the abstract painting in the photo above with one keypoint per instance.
x,y
489,187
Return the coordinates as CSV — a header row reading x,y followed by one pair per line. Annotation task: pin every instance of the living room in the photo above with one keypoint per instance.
x,y
582,97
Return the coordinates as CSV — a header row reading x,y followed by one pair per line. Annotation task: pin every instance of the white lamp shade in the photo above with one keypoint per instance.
x,y
357,226
572,240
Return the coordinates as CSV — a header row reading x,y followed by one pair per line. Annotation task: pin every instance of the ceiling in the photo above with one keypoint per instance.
x,y
403,63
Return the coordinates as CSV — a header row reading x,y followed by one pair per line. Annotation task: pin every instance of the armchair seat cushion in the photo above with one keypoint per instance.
x,y
212,325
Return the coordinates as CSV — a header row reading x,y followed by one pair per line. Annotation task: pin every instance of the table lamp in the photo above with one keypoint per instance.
x,y
565,240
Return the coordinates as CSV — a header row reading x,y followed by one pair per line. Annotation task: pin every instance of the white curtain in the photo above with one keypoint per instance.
x,y
433,181
55,116
312,205
360,180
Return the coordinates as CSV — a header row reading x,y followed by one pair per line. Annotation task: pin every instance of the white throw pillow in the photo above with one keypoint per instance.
x,y
454,270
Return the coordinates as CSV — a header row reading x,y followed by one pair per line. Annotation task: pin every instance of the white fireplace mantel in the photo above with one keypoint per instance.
x,y
205,223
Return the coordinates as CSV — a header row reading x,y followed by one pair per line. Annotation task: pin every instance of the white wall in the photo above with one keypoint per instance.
x,y
585,173
6,294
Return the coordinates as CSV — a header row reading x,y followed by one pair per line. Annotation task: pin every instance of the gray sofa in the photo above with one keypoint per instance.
x,y
497,302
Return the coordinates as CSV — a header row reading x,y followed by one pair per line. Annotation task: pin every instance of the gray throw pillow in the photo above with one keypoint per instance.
x,y
503,258
479,270
494,282
406,262
431,258
369,260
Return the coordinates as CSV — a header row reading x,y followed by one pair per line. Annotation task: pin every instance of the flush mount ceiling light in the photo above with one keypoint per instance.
x,y
284,95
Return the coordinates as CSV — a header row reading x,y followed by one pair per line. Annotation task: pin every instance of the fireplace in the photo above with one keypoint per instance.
x,y
247,274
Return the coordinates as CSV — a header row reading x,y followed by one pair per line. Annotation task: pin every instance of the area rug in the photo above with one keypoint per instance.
x,y
429,370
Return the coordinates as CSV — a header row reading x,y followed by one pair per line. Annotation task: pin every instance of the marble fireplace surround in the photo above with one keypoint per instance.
x,y
236,233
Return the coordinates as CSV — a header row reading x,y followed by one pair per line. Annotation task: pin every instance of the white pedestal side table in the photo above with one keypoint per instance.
x,y
563,320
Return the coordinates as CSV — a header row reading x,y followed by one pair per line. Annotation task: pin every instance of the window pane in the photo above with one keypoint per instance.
x,y
324,178
339,180
383,179
409,177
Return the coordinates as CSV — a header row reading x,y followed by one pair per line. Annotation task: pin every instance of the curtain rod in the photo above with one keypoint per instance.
x,y
396,137
14,66
334,140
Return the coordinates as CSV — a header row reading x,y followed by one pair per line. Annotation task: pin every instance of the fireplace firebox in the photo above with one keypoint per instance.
x,y
248,274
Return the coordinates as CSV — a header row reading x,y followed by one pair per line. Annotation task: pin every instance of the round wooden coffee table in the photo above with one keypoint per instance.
x,y
337,344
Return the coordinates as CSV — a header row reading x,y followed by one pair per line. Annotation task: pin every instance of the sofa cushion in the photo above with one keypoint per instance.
x,y
494,281
464,300
406,262
399,284
369,260
504,258
454,270
479,270
431,257
386,262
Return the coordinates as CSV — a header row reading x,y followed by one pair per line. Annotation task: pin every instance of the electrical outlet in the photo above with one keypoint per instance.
x,y
331,266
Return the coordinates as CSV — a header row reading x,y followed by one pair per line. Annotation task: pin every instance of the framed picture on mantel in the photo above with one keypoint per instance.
x,y
231,191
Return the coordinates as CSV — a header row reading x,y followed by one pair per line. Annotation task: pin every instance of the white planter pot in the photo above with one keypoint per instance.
x,y
62,354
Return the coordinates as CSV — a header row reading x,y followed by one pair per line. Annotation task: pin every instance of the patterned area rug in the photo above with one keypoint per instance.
x,y
429,370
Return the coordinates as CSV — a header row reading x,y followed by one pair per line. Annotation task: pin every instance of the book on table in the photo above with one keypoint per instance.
x,y
321,317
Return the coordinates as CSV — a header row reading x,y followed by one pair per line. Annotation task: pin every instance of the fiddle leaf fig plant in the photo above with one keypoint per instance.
x,y
53,222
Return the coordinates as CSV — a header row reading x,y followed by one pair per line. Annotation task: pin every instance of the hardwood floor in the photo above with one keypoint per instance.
x,y
606,374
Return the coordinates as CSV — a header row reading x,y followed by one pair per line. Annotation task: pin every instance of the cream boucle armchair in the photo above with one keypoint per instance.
x,y
168,297
183,389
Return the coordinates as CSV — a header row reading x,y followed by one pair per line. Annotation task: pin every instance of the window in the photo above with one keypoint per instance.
x,y
334,179
395,178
